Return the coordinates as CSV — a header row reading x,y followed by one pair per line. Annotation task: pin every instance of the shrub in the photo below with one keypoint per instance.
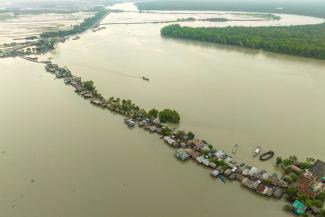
x,y
168,115
190,135
153,113
89,85
287,208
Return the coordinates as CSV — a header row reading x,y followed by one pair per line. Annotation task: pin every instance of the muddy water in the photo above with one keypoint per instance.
x,y
62,157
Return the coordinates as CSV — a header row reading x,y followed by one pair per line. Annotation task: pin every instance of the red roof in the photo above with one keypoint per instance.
x,y
305,183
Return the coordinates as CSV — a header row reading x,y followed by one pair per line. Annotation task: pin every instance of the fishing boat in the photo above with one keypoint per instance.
x,y
145,78
235,149
257,151
222,178
266,155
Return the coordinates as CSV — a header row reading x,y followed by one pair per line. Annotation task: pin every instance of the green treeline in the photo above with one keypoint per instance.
x,y
306,40
86,24
315,8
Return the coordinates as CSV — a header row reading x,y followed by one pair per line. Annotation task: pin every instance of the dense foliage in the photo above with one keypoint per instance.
x,y
153,113
306,40
314,8
89,85
168,115
86,24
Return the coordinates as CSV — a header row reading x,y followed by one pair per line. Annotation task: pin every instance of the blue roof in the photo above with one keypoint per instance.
x,y
299,207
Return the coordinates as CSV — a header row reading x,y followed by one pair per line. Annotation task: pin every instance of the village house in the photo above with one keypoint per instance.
x,y
318,169
310,182
197,144
250,183
308,185
194,154
220,154
182,155
169,140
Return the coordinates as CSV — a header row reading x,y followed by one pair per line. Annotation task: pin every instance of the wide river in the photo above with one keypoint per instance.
x,y
61,157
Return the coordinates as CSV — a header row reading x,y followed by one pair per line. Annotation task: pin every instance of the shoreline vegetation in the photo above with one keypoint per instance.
x,y
308,8
304,41
255,17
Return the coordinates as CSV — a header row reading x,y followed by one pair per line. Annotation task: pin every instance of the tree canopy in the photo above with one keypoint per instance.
x,y
168,115
89,85
305,40
153,113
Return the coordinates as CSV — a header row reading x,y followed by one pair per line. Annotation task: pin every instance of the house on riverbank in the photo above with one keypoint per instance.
x,y
318,169
310,182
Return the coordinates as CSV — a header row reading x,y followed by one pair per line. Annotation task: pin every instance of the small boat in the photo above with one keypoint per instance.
x,y
145,78
235,149
76,38
222,178
257,151
266,155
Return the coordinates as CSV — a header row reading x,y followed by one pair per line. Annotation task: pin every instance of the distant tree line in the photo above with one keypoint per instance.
x,y
305,40
315,8
86,24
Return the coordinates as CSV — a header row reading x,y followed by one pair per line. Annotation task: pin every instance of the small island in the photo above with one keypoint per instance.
x,y
305,40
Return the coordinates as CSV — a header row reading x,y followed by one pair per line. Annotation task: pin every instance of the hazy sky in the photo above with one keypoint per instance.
x,y
15,2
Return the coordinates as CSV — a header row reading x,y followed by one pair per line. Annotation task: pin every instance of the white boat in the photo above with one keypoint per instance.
x,y
257,151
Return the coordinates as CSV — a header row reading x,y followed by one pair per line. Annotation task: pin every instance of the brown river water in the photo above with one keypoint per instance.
x,y
61,157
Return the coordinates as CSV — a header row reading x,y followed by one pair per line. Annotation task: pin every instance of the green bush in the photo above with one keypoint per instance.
x,y
190,135
89,85
287,208
168,115
153,113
